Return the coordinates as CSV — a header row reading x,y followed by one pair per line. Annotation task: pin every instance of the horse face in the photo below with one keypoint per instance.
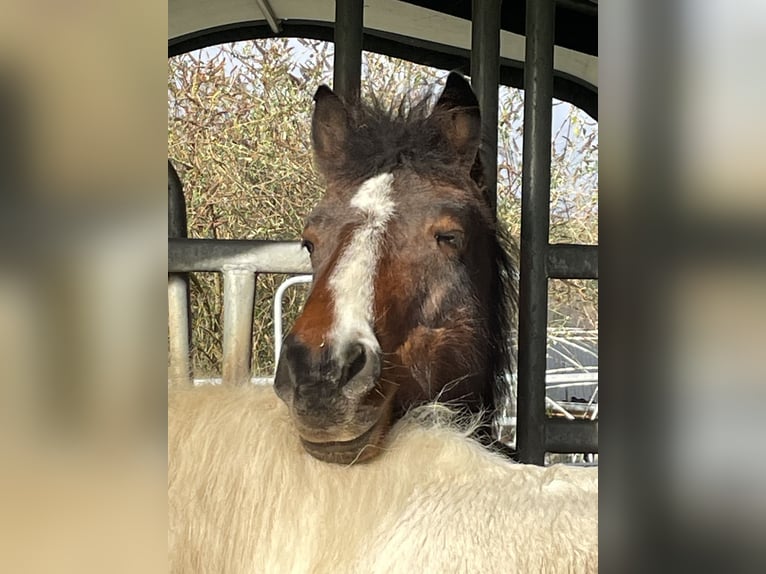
x,y
402,263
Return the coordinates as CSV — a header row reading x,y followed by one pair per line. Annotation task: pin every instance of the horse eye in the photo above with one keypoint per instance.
x,y
308,246
453,239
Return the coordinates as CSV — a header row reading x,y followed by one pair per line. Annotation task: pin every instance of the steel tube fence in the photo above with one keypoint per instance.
x,y
535,221
179,325
485,77
349,26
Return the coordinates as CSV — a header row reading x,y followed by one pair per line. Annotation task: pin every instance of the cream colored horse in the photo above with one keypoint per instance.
x,y
245,497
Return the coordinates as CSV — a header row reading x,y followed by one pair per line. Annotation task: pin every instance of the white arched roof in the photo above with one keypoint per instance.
x,y
189,17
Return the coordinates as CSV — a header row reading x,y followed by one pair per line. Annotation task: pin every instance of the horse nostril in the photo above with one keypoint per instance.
x,y
356,361
361,372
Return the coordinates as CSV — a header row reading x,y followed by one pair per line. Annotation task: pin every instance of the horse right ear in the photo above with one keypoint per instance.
x,y
329,128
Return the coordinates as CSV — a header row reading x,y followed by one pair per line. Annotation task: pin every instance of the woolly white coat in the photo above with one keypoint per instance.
x,y
244,497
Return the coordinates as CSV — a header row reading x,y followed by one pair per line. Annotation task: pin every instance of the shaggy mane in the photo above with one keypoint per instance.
x,y
403,134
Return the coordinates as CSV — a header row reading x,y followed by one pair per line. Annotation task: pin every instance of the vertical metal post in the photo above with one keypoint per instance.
x,y
535,213
179,327
349,25
485,75
238,300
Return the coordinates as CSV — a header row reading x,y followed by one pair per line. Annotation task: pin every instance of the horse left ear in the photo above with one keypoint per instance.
x,y
457,112
329,129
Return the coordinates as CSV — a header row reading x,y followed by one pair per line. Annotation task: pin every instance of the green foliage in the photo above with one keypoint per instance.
x,y
239,135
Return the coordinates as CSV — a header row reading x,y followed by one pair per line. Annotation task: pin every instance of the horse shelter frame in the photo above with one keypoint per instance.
x,y
241,261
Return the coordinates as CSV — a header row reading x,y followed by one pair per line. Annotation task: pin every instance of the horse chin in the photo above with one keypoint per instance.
x,y
364,447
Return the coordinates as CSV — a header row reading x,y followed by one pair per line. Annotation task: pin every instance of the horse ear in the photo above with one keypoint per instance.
x,y
457,111
329,128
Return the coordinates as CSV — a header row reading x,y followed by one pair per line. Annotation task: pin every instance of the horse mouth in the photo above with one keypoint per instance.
x,y
362,448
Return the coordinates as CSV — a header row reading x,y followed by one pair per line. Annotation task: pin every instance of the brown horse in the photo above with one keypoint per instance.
x,y
414,283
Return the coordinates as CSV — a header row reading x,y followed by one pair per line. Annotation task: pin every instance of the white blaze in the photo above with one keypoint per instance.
x,y
352,281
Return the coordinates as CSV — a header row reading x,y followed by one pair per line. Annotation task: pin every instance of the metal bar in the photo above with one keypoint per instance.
x,y
589,7
176,204
278,311
238,300
219,381
268,15
570,261
179,325
535,214
560,381
349,26
257,255
571,436
555,406
579,410
485,77
179,367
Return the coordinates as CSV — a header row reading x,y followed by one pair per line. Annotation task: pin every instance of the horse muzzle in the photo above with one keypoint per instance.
x,y
334,399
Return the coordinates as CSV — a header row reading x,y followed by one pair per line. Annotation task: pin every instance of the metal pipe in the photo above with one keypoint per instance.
x,y
349,26
485,77
571,436
558,408
179,367
238,300
219,380
571,261
278,311
563,380
535,214
259,256
176,204
179,325
589,7
268,14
